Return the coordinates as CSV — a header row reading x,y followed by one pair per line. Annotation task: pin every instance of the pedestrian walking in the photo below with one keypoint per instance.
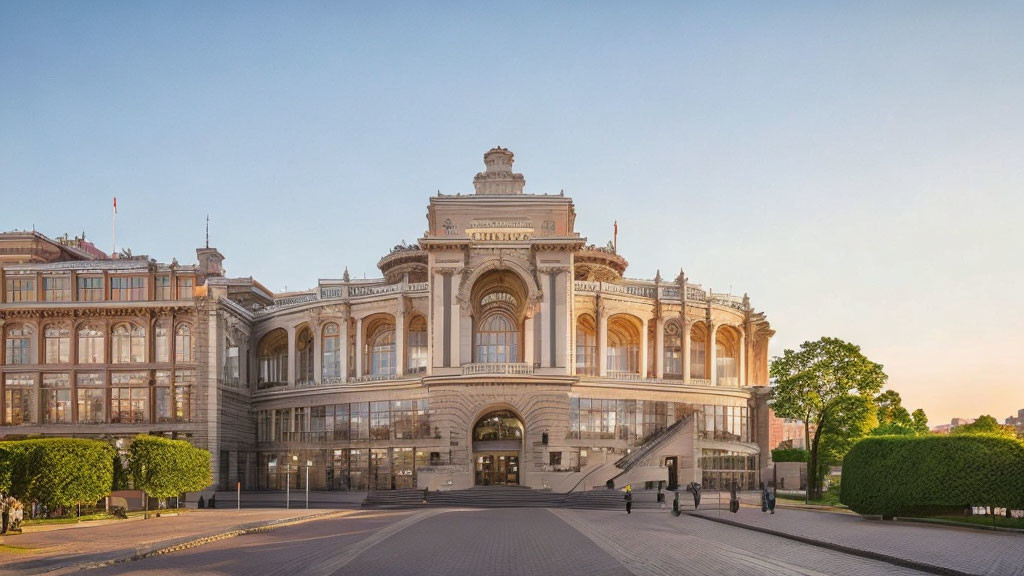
x,y
695,488
629,499
769,498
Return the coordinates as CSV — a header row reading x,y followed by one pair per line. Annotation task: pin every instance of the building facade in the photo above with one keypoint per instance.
x,y
500,349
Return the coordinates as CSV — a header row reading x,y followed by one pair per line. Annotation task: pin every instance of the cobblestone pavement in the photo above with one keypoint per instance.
x,y
42,551
521,541
964,550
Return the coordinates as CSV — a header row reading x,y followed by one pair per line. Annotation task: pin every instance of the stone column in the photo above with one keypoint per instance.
x,y
317,328
455,344
642,364
547,310
293,355
359,347
743,359
686,346
344,348
602,341
528,352
659,348
400,338
713,354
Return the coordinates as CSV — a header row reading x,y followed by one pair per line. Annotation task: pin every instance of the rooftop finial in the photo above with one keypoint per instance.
x,y
207,230
498,178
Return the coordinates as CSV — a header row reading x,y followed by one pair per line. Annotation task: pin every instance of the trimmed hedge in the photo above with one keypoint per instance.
x,y
789,455
166,468
57,471
905,475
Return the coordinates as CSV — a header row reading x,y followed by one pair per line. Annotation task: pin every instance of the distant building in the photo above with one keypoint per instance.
x,y
954,423
1017,421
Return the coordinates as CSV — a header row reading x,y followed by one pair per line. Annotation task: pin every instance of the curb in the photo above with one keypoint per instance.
x,y
169,546
903,562
954,524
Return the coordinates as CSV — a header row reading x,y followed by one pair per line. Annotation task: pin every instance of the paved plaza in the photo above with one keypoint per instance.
x,y
524,541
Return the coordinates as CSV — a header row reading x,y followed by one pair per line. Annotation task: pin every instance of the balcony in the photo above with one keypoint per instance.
x,y
508,369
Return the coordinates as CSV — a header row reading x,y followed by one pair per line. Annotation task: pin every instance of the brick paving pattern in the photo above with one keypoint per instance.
x,y
964,550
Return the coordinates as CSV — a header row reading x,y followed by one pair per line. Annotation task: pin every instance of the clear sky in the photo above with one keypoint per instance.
x,y
856,168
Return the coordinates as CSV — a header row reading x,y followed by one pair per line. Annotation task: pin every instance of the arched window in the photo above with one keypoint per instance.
x,y
380,348
698,351
183,343
497,339
498,425
673,344
90,345
162,345
128,344
331,352
623,344
57,344
726,353
19,345
273,358
304,355
586,345
417,362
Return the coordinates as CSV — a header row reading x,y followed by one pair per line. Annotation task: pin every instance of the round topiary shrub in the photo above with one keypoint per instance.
x,y
907,475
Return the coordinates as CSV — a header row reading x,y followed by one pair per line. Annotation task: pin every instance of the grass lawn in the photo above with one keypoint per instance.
x,y
1000,521
829,498
92,517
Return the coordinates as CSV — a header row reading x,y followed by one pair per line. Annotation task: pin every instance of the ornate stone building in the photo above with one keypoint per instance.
x,y
499,349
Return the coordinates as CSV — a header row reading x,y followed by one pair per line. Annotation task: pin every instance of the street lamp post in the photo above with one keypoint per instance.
x,y
308,464
288,482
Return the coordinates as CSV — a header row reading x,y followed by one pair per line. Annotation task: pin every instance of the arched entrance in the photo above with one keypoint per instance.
x,y
497,445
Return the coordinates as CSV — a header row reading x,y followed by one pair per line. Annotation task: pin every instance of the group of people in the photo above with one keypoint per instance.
x,y
767,498
12,512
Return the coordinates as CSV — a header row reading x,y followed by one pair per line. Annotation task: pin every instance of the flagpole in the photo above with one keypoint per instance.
x,y
113,232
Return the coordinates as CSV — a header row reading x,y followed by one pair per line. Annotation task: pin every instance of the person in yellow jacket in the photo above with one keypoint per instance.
x,y
629,499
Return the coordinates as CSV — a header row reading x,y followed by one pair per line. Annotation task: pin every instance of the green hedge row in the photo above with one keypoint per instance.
x,y
907,475
166,468
56,471
789,455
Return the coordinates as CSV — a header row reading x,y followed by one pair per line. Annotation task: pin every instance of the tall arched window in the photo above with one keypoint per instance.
x,y
417,361
19,344
673,343
128,344
231,366
497,339
380,348
273,358
90,345
162,344
183,343
331,352
726,357
698,351
623,344
586,345
58,344
304,355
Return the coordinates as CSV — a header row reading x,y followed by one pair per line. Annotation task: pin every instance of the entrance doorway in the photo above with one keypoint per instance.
x,y
497,445
673,472
498,469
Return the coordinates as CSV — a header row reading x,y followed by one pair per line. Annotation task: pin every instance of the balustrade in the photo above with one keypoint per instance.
x,y
509,368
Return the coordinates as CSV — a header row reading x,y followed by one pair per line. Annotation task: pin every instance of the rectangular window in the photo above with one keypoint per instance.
x,y
359,421
164,412
19,346
127,288
185,285
341,422
282,424
90,288
57,345
56,288
162,343
231,366
19,399
91,396
163,288
358,462
56,399
183,398
380,421
129,397
380,468
554,458
403,419
263,426
21,289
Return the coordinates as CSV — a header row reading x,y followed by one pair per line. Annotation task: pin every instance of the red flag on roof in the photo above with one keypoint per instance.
x,y
115,204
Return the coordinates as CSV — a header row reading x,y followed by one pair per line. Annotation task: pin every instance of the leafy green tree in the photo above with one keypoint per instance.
x,y
986,425
166,468
58,471
920,422
827,384
854,418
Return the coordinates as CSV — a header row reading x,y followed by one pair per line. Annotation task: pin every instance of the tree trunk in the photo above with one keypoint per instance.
x,y
807,446
813,482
